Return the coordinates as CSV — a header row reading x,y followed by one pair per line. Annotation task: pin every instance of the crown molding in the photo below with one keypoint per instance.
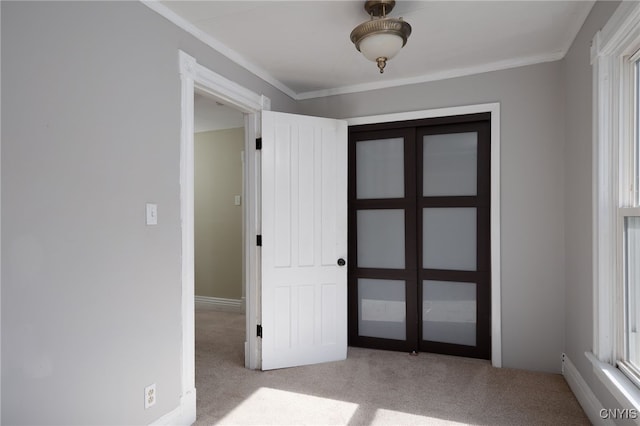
x,y
218,46
619,31
442,75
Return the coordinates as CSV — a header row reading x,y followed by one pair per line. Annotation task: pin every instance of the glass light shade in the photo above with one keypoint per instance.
x,y
381,45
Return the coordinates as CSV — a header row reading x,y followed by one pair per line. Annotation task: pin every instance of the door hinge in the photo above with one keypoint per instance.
x,y
258,144
259,240
259,330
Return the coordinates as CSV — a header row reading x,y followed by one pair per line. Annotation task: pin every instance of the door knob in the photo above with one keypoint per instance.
x,y
341,262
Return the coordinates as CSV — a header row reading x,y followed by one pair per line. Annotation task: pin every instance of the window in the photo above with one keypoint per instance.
x,y
629,217
616,66
636,137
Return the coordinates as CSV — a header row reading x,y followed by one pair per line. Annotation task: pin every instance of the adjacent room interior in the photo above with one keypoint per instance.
x,y
219,229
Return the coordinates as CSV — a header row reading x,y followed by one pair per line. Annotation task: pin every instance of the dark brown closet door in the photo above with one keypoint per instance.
x,y
419,236
382,245
454,239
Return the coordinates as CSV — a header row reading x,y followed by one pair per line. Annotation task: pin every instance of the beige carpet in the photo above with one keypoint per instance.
x,y
370,388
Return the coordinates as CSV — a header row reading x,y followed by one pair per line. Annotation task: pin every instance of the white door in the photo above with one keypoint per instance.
x,y
304,234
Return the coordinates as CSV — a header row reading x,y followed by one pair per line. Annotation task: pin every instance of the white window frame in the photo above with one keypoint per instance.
x,y
613,135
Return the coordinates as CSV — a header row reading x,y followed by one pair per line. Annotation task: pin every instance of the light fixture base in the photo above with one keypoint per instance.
x,y
379,7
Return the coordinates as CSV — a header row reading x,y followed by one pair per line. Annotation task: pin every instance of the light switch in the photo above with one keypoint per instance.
x,y
237,200
152,214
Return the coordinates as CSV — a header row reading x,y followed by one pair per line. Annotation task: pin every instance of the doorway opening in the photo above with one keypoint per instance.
x,y
219,227
194,76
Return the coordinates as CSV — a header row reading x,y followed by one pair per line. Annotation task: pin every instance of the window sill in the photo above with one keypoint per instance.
x,y
624,391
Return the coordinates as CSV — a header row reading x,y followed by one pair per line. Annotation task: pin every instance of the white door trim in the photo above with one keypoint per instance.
x,y
195,76
494,109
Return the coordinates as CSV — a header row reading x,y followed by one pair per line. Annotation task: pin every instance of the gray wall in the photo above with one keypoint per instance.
x,y
532,149
91,122
578,204
218,221
90,132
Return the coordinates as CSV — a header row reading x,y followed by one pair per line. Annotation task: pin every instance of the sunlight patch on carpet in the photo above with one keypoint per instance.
x,y
267,406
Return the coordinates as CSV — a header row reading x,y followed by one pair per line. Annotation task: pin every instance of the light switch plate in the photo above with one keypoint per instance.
x,y
152,214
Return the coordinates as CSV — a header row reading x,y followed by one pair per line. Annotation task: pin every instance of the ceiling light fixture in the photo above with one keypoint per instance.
x,y
380,38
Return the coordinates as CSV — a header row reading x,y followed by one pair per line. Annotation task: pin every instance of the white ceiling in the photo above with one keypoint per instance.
x,y
209,114
303,47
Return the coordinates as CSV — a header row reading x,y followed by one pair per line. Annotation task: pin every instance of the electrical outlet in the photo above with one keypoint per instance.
x,y
150,396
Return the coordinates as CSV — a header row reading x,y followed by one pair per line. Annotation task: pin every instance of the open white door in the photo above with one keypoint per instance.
x,y
304,234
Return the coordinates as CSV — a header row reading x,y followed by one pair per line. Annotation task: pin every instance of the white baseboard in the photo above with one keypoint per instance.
x,y
183,415
220,304
585,396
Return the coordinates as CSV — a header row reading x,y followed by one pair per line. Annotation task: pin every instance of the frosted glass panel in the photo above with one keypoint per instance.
x,y
382,309
450,164
449,312
449,238
380,168
381,238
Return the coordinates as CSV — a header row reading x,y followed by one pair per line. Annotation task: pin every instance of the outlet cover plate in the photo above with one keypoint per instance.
x,y
150,396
